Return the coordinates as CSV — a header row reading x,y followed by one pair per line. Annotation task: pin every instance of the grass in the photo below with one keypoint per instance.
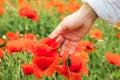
x,y
99,68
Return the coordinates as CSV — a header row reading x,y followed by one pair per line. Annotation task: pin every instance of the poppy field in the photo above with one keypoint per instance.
x,y
27,53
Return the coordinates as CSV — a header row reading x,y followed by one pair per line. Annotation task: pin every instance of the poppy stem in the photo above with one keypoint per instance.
x,y
69,73
68,63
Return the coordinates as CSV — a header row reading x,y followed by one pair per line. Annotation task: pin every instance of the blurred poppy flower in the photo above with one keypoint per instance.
x,y
61,7
1,52
2,11
29,13
12,35
22,3
29,36
82,54
50,4
2,42
72,68
14,46
118,25
86,46
28,69
21,45
73,6
96,34
118,35
2,2
113,58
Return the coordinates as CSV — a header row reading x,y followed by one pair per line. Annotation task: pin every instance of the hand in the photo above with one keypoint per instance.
x,y
74,27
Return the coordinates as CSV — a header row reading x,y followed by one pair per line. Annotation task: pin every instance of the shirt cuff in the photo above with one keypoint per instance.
x,y
106,9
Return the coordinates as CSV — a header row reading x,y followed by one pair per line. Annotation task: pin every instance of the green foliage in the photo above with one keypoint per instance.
x,y
99,68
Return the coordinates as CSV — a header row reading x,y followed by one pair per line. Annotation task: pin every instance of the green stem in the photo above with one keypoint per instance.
x,y
68,63
69,73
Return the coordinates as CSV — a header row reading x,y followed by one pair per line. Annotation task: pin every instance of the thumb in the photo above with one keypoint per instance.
x,y
58,31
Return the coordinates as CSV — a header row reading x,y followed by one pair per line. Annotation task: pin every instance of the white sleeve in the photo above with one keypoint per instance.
x,y
108,10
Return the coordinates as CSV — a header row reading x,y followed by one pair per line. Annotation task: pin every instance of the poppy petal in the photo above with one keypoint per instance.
x,y
28,69
52,68
50,42
113,58
1,52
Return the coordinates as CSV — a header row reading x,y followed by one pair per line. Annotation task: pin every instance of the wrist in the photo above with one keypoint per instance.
x,y
88,12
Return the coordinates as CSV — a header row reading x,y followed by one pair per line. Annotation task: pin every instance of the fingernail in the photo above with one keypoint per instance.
x,y
51,37
61,53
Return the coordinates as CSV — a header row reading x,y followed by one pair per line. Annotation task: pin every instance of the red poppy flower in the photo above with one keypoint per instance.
x,y
47,47
28,69
76,67
29,13
49,42
30,45
113,58
1,52
46,52
12,35
29,36
45,58
82,50
96,34
45,65
43,62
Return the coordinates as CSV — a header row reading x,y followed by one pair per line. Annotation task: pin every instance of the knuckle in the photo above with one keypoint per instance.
x,y
65,27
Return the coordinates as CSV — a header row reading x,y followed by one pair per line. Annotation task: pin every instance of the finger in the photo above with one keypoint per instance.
x,y
60,39
73,47
56,32
72,37
64,47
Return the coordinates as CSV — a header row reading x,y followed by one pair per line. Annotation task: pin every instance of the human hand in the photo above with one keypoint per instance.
x,y
74,27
